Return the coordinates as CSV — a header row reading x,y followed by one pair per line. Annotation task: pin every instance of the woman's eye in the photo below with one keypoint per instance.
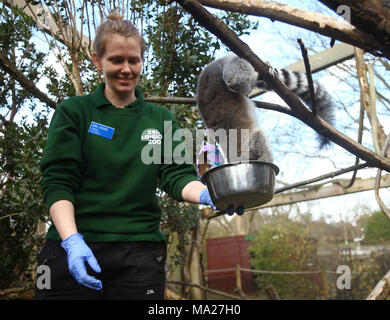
x,y
115,60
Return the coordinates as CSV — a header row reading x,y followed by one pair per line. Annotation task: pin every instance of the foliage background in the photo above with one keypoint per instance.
x,y
285,245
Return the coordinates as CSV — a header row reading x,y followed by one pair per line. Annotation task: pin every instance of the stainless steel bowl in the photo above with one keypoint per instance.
x,y
241,184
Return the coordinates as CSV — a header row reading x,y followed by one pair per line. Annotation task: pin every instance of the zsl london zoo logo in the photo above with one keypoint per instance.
x,y
153,136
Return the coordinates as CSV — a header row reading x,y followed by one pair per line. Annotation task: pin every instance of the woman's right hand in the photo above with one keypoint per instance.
x,y
78,253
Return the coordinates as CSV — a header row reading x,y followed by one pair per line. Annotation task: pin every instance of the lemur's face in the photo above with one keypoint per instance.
x,y
121,64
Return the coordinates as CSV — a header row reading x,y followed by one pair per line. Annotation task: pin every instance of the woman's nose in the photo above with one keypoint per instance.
x,y
126,68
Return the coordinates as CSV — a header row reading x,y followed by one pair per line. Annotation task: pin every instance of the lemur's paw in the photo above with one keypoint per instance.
x,y
271,70
259,148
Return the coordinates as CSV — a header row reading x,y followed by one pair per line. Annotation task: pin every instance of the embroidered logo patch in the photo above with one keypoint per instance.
x,y
153,136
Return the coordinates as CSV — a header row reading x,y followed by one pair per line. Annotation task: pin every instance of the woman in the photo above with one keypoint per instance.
x,y
105,241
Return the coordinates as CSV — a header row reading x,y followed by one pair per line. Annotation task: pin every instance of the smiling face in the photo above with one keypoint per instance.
x,y
121,64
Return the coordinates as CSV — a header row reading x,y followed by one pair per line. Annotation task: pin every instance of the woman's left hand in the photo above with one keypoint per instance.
x,y
206,199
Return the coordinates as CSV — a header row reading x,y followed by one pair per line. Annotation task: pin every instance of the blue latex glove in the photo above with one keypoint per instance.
x,y
206,199
78,253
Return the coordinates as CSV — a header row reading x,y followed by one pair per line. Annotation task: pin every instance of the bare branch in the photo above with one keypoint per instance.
x,y
224,294
274,107
178,100
11,215
378,133
335,28
308,75
370,16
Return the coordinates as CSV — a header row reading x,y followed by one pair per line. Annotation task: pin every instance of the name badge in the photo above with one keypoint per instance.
x,y
101,130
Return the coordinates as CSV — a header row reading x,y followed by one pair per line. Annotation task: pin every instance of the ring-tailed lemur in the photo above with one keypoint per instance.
x,y
222,99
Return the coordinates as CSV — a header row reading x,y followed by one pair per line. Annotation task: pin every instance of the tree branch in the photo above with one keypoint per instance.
x,y
26,83
230,38
178,100
224,294
370,16
322,177
273,106
328,26
381,290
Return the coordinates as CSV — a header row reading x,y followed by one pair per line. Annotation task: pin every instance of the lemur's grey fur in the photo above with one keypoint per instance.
x,y
222,98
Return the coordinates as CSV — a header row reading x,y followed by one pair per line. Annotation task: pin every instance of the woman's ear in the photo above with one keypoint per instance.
x,y
96,61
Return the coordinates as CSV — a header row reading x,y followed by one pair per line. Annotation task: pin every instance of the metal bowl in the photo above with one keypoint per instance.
x,y
241,184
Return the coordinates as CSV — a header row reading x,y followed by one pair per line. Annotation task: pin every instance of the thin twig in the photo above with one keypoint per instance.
x,y
274,107
308,76
11,215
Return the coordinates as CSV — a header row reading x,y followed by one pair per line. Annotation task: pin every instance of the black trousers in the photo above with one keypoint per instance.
x,y
130,270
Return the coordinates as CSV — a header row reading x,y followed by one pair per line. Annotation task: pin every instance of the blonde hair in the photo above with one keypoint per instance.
x,y
116,25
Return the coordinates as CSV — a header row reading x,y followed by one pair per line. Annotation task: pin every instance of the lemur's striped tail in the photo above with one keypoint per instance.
x,y
297,82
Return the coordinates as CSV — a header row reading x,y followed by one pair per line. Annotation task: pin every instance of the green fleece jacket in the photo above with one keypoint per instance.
x,y
105,161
